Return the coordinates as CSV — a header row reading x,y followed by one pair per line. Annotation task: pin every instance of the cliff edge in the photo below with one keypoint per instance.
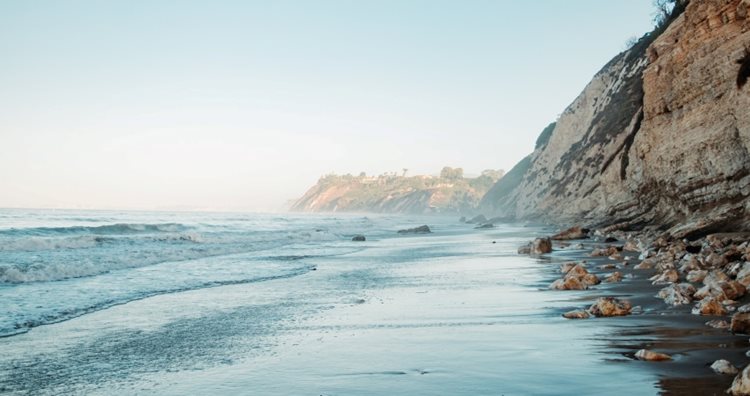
x,y
658,138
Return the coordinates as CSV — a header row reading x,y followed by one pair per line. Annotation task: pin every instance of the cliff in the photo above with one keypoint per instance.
x,y
658,138
448,193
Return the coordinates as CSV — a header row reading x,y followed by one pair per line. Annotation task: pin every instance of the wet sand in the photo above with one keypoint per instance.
x,y
446,313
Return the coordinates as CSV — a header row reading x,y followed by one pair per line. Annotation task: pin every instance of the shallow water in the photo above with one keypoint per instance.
x,y
290,305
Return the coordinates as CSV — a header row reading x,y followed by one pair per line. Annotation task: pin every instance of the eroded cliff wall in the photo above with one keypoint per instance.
x,y
659,137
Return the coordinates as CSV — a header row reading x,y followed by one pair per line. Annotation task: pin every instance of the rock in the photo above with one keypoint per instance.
x,y
709,306
723,367
477,219
604,252
714,260
524,249
358,238
631,246
614,277
690,263
610,306
677,294
651,356
576,314
484,226
576,278
577,270
645,265
670,276
568,283
571,233
724,290
607,266
696,275
590,280
541,246
566,267
740,323
718,324
741,383
610,239
417,230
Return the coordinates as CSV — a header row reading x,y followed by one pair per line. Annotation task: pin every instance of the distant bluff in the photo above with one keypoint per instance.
x,y
450,192
659,137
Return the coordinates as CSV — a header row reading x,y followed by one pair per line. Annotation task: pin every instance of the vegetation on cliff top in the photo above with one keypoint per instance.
x,y
450,192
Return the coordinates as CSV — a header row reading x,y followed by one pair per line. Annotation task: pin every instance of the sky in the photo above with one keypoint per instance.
x,y
243,105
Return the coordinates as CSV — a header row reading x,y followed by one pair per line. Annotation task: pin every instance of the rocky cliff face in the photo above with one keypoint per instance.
x,y
660,136
449,193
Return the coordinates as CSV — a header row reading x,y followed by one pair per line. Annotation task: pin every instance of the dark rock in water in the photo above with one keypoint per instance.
x,y
610,239
572,233
485,226
494,241
541,246
479,219
610,306
359,238
740,323
418,230
651,356
525,249
462,219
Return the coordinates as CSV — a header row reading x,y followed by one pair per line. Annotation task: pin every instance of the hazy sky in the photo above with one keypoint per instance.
x,y
242,105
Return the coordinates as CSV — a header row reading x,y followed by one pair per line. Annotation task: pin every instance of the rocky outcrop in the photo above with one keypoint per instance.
x,y
659,136
448,193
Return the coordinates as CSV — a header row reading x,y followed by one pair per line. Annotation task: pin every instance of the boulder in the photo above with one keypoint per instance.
x,y
566,267
669,276
358,238
741,383
645,265
524,249
568,283
571,233
723,367
484,226
651,356
576,314
610,306
714,260
709,306
541,246
677,294
604,252
417,230
740,323
696,275
631,246
614,277
724,290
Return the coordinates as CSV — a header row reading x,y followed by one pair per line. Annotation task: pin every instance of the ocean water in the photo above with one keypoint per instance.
x,y
101,302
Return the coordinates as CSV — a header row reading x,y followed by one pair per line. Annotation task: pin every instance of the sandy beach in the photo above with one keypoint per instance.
x,y
457,310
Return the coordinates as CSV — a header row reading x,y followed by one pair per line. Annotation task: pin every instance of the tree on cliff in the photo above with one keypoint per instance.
x,y
451,173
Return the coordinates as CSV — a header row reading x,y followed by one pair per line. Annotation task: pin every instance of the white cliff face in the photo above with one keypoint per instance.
x,y
659,136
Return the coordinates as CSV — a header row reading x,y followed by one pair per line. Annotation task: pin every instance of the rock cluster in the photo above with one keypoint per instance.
x,y
575,278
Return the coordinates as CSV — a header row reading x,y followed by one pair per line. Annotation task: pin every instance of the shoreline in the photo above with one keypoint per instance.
x,y
653,324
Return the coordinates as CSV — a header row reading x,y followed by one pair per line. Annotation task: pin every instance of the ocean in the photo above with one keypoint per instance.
x,y
123,302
